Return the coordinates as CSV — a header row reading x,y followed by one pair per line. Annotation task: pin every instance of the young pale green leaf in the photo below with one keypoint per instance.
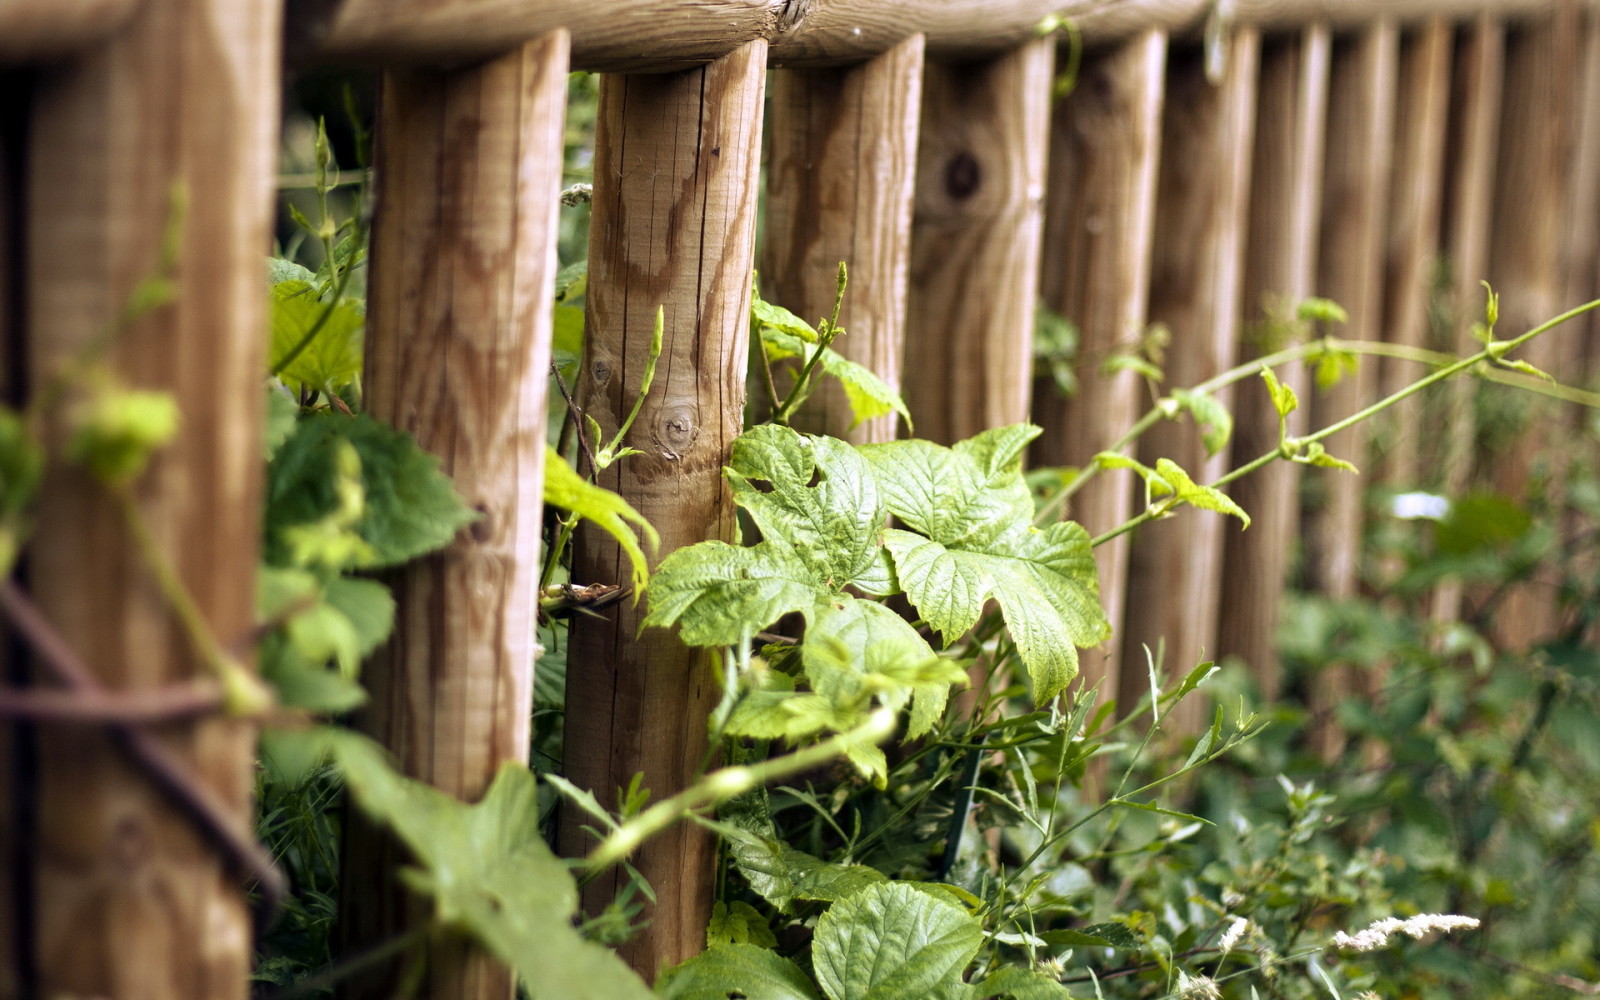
x,y
869,395
775,317
489,874
856,649
1284,399
332,360
736,970
1190,492
1213,419
1109,935
891,942
1333,365
1313,309
564,488
1527,369
1316,454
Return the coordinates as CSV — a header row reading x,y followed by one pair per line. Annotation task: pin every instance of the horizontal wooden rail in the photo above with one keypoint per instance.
x,y
652,35
32,30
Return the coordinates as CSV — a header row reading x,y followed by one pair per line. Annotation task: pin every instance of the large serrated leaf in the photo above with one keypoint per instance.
x,y
490,874
736,972
717,593
332,358
1021,984
891,942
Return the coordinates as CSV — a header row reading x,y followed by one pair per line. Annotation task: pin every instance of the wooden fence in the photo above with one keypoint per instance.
x,y
1213,157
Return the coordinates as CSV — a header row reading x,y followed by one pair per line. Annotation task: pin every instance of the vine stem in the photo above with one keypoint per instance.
x,y
1492,351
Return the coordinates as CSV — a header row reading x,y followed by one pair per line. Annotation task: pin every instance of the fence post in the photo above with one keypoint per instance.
x,y
1105,143
1527,268
843,158
975,241
1194,289
131,901
1350,271
458,352
673,226
1473,140
1280,262
1416,195
13,860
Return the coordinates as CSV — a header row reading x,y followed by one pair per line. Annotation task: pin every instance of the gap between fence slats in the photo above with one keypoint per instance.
x,y
1207,132
1411,259
674,212
132,903
975,242
1471,148
842,159
1527,268
1099,217
1280,267
458,349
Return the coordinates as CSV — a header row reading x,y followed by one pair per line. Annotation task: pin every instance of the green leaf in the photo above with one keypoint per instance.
x,y
1316,454
869,395
332,360
407,506
891,942
1109,935
369,608
721,594
855,649
738,923
489,874
1313,309
564,488
972,540
1213,419
1284,399
280,270
781,874
773,317
1192,493
282,415
1333,365
736,972
1022,984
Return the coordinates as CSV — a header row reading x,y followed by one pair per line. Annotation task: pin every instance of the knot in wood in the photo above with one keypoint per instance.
x,y
600,371
792,13
962,175
676,430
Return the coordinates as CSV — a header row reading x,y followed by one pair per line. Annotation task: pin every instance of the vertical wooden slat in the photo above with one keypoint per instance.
x,y
1195,282
1416,195
842,162
1105,145
676,165
458,351
1280,266
1527,268
131,902
975,241
1474,138
12,860
1350,271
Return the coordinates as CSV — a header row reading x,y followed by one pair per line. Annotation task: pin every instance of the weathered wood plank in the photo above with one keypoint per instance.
x,y
842,159
13,859
1099,216
1350,271
1471,149
975,242
1527,267
1280,266
676,166
38,30
1416,194
132,903
458,352
1196,277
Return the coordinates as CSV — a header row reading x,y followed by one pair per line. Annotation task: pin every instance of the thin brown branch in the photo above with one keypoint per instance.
x,y
576,414
169,773
168,704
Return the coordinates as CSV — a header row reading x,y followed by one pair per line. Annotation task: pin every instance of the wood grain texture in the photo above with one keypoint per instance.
x,y
850,30
841,162
39,30
131,903
1104,21
458,350
676,166
1280,267
975,242
1100,211
1527,267
1350,271
1416,200
1195,281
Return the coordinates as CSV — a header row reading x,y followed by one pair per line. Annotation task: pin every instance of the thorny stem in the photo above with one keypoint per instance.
x,y
1491,352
